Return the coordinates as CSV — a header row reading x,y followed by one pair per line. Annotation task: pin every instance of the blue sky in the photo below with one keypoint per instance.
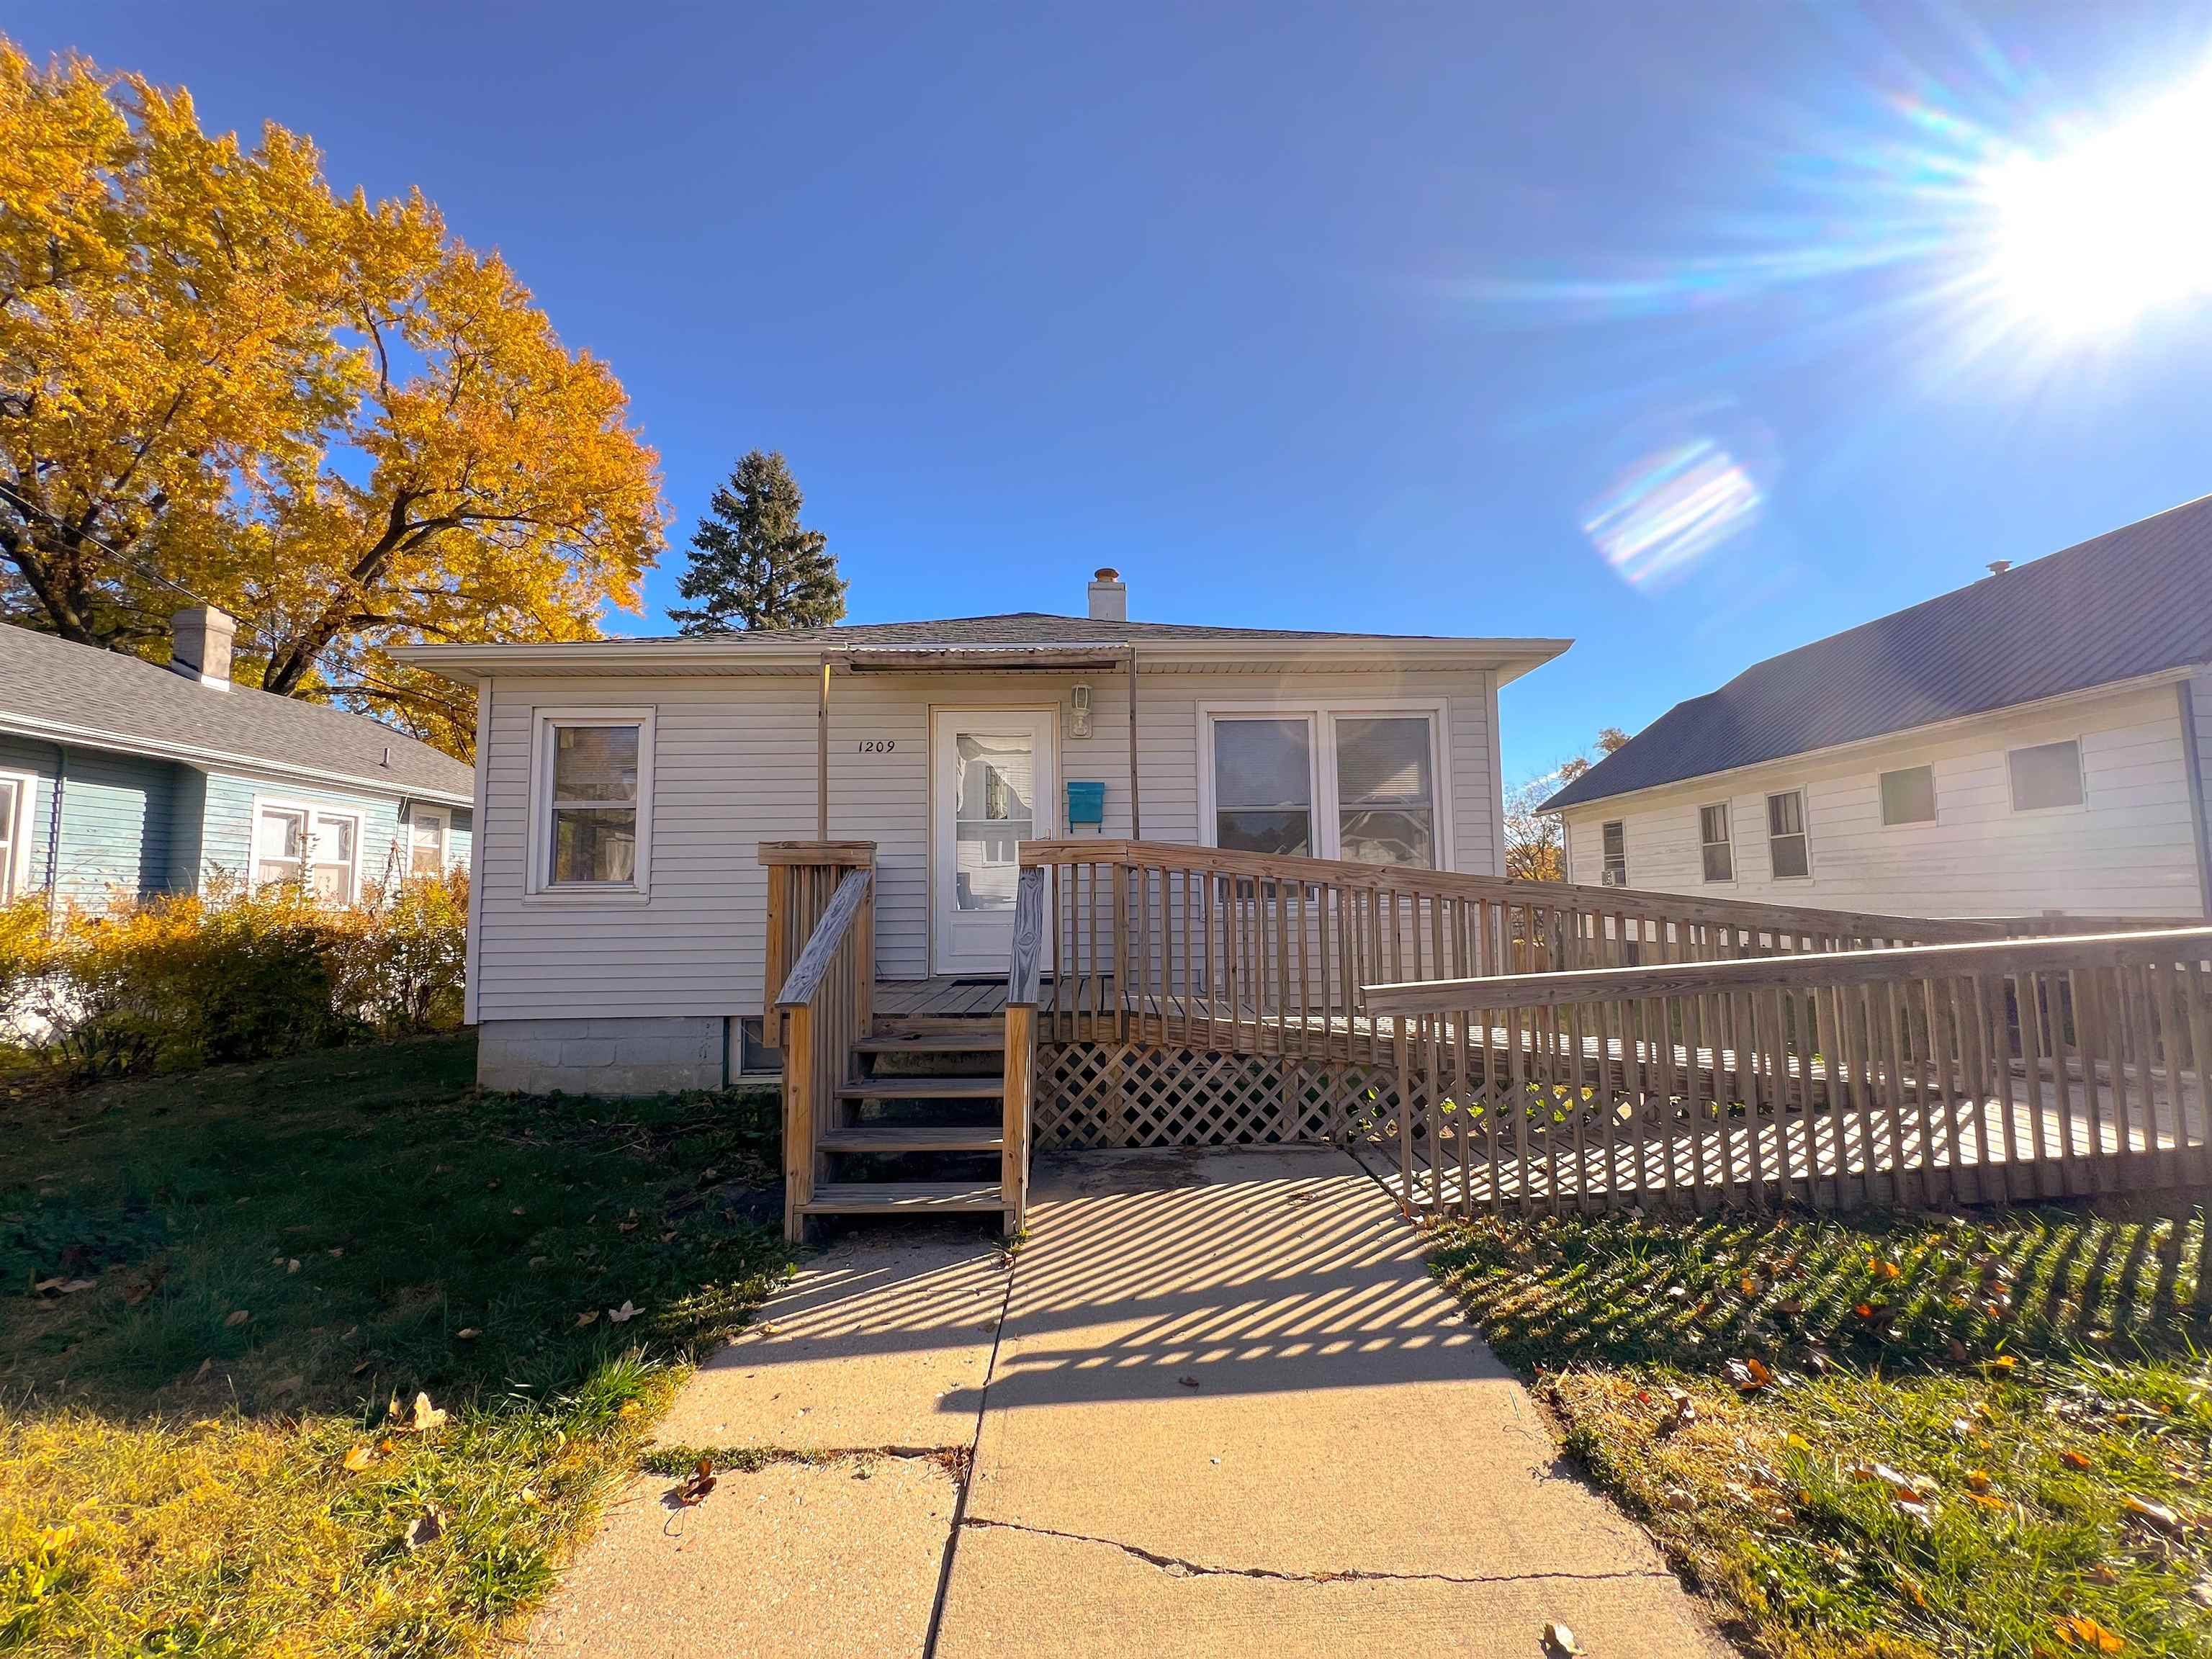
x,y
1379,318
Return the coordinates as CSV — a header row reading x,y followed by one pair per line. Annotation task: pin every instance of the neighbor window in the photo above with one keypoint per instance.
x,y
307,845
1713,835
426,842
15,828
2049,774
1785,835
1908,796
1615,837
1329,783
592,783
1386,803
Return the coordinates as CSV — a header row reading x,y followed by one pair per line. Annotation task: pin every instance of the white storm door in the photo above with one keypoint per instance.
x,y
992,779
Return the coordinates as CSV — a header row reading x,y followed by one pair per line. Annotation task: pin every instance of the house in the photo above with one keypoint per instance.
x,y
620,938
2037,741
119,776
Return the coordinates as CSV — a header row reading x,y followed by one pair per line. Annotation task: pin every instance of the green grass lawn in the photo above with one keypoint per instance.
x,y
221,1294
1884,1437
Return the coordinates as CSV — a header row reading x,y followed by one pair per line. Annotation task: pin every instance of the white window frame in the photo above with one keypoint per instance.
x,y
1804,830
416,817
1727,809
1935,800
16,870
1321,714
540,886
316,815
2082,771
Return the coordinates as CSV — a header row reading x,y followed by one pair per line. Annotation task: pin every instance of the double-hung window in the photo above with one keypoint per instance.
x,y
427,833
1713,838
1786,844
1613,844
309,847
592,786
1337,783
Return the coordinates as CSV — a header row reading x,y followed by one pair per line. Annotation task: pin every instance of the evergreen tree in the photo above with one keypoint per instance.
x,y
753,565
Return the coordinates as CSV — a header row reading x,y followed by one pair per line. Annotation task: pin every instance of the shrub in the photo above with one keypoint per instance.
x,y
190,980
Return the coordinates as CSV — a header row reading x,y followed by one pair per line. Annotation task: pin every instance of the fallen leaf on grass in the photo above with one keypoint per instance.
x,y
1988,1501
359,1459
424,1529
2076,1459
467,1333
71,1286
696,1484
2002,1364
1977,1481
237,1318
623,1315
2088,1633
1560,1639
427,1416
2157,1514
589,1317
1748,1375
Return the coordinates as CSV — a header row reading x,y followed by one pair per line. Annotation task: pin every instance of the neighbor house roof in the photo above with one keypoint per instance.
x,y
1018,639
78,695
2130,603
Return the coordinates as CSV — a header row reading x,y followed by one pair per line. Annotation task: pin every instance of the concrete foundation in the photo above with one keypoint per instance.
x,y
654,1056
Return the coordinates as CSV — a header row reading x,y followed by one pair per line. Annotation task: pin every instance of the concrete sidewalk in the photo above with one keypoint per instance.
x,y
1228,1413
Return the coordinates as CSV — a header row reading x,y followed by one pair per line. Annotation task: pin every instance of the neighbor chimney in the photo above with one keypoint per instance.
x,y
1109,597
1998,567
199,645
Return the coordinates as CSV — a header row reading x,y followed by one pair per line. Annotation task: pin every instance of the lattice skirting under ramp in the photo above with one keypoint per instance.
x,y
1107,1094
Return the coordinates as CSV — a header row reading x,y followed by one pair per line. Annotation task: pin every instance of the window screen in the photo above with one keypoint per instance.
x,y
1385,791
2049,774
1263,786
1909,796
1616,855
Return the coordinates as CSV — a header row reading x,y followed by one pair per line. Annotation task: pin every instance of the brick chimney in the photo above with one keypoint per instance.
x,y
199,645
1109,597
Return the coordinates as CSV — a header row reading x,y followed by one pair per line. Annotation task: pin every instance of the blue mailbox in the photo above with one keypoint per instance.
x,y
1086,804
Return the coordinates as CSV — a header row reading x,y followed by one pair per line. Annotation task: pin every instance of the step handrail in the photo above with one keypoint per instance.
x,y
824,1007
1024,985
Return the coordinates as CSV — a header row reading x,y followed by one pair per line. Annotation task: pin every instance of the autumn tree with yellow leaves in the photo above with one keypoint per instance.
x,y
329,416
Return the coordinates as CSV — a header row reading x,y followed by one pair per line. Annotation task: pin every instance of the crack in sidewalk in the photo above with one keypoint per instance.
x,y
1352,1575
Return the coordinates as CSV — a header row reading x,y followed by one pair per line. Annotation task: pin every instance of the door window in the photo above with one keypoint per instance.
x,y
995,810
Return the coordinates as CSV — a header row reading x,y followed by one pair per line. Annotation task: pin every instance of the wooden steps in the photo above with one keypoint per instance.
x,y
913,1138
922,1088
902,1198
988,1038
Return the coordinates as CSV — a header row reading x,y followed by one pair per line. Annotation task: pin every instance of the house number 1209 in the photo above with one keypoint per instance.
x,y
877,745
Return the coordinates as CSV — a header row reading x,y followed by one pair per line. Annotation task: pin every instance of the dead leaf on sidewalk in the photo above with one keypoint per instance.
x,y
1187,1382
694,1487
1560,1639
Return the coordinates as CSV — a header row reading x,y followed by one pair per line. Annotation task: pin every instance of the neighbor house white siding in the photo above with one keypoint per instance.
x,y
2129,849
734,765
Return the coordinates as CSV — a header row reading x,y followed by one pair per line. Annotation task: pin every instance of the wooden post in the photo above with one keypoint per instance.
x,y
799,1109
1019,1081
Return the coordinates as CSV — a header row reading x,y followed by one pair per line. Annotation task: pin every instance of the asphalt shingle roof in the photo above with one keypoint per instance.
x,y
53,682
2129,603
1032,628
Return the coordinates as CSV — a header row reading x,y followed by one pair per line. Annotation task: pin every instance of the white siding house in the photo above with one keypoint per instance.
x,y
2038,742
644,981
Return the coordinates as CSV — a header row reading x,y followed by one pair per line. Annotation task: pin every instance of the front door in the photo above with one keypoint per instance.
x,y
992,776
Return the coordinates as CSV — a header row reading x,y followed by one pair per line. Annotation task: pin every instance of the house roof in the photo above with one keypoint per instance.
x,y
74,694
2132,602
1024,639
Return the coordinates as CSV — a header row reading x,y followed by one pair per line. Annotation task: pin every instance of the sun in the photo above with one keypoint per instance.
x,y
2095,234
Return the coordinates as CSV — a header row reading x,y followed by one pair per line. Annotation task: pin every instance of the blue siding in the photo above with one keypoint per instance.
x,y
118,813
136,827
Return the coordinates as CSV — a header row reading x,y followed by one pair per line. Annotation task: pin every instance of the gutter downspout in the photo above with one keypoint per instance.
x,y
54,835
821,758
2192,755
1136,811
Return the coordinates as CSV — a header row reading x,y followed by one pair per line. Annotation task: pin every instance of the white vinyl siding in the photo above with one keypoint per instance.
x,y
2128,851
734,766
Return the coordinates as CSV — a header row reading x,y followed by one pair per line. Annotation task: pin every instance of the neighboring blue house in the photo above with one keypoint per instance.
x,y
120,777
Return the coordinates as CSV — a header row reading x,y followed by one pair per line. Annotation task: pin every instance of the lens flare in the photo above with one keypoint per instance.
x,y
1660,517
2115,226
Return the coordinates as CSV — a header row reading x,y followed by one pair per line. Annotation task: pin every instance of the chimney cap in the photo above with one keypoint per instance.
x,y
1998,567
1106,574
